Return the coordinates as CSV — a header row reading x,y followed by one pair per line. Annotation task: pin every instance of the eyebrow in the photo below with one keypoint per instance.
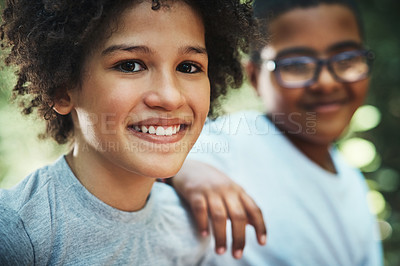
x,y
344,45
146,50
296,50
193,50
123,47
311,52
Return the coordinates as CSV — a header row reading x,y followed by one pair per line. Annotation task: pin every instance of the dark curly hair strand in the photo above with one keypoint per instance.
x,y
49,40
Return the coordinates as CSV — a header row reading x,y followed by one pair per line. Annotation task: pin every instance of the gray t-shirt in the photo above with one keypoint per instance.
x,y
51,219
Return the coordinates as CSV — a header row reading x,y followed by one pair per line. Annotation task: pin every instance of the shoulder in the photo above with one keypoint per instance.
x,y
168,205
16,197
352,178
344,167
171,222
244,121
15,245
28,189
27,210
166,198
222,132
223,141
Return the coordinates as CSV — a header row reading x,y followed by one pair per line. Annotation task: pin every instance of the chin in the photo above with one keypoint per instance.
x,y
330,131
163,174
327,138
162,170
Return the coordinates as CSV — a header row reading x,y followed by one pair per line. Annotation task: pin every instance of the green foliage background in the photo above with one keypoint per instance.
x,y
21,152
382,22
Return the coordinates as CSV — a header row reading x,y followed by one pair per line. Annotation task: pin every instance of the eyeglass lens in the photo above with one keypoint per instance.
x,y
301,71
350,67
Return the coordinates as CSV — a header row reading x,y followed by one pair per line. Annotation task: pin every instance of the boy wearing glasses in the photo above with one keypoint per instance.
x,y
312,76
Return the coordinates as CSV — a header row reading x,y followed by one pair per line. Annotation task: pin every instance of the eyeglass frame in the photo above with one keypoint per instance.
x,y
273,66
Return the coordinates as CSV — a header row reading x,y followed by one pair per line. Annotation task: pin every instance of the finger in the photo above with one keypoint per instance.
x,y
198,204
238,217
255,218
218,221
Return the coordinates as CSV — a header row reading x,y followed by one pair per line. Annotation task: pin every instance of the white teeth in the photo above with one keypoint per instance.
x,y
152,130
158,130
168,131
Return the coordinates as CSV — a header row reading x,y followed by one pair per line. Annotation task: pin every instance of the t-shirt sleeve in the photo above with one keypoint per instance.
x,y
15,245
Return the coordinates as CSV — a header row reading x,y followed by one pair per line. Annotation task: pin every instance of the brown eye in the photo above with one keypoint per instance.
x,y
130,67
189,68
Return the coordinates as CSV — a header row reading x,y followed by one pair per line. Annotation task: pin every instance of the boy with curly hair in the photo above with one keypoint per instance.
x,y
312,76
128,85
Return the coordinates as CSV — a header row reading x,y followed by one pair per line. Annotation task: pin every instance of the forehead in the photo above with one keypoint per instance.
x,y
139,23
316,28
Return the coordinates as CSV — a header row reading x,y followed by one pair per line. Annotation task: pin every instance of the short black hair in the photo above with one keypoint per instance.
x,y
49,40
268,10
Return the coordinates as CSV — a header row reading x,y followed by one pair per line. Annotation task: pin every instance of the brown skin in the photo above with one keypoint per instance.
x,y
318,29
36,44
74,99
165,85
217,197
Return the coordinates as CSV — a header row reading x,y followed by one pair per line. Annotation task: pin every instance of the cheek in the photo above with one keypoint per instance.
x,y
275,97
199,98
359,92
287,100
268,90
86,124
100,113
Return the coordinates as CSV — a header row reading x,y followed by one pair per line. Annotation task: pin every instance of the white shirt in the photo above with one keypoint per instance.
x,y
313,217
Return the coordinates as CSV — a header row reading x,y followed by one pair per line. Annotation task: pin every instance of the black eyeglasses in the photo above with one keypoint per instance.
x,y
303,71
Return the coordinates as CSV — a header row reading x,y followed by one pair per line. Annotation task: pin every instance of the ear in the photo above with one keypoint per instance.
x,y
253,71
63,104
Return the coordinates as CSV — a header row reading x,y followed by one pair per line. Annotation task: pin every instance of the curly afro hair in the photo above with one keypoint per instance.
x,y
49,39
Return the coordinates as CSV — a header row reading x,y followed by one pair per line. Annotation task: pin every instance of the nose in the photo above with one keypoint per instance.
x,y
165,92
325,82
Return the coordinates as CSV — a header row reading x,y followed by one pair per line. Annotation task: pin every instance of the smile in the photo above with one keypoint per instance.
x,y
159,130
326,106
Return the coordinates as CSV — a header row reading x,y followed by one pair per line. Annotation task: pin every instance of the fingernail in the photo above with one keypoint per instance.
x,y
204,233
238,254
221,250
263,239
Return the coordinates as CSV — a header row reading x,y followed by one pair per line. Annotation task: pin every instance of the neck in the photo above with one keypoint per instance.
x,y
318,152
113,185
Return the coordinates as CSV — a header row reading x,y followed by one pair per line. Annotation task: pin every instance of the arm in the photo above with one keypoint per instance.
x,y
15,246
209,192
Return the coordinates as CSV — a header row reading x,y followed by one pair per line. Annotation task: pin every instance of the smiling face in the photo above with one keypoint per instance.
x,y
320,112
145,93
